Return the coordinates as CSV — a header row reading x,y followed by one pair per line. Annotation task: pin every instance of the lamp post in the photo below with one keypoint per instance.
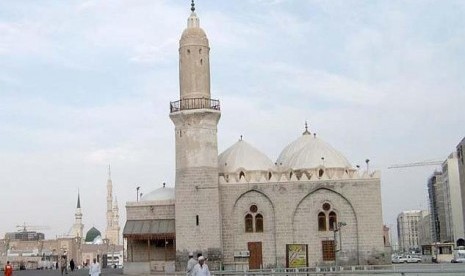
x,y
337,227
137,193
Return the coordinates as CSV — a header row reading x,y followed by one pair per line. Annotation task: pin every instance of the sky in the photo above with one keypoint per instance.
x,y
85,84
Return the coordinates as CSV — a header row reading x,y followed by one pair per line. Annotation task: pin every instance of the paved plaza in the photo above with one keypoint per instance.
x,y
80,272
402,269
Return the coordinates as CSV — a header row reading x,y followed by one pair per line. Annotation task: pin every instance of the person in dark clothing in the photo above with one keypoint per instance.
x,y
71,264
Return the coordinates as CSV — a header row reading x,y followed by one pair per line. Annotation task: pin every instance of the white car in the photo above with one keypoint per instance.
x,y
406,259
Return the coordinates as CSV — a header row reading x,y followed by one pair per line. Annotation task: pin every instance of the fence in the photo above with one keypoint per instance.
x,y
194,103
402,269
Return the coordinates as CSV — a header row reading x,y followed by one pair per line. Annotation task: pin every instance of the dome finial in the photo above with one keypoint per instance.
x,y
240,138
192,6
306,132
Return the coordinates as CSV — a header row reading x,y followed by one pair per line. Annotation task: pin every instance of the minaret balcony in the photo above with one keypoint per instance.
x,y
194,103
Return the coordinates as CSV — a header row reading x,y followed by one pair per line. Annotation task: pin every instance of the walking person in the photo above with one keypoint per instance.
x,y
8,269
64,265
94,269
71,265
190,264
201,269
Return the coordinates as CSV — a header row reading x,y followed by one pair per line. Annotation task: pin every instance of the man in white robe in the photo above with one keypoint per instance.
x,y
190,264
201,269
94,269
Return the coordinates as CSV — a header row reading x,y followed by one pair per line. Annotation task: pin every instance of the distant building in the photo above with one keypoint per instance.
x,y
407,229
461,169
24,236
437,207
452,199
424,230
30,248
445,202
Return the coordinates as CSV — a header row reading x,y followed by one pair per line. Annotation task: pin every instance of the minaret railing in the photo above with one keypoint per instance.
x,y
194,103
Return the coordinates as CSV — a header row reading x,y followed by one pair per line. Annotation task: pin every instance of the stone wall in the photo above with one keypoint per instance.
x,y
197,196
290,216
150,210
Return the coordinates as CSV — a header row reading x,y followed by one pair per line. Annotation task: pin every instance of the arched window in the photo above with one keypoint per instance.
x,y
320,172
321,221
258,223
332,220
248,223
241,174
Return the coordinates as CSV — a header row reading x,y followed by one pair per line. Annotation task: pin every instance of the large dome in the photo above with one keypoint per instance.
x,y
92,234
308,152
242,155
163,193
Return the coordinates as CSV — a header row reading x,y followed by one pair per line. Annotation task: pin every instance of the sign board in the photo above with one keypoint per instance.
x,y
296,255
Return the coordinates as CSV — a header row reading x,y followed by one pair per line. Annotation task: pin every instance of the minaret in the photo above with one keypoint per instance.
x,y
78,227
195,116
115,225
109,230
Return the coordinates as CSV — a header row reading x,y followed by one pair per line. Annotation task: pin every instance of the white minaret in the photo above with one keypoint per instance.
x,y
112,230
78,227
109,200
195,117
115,225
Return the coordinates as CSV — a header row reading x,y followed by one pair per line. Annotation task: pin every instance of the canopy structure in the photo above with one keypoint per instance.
x,y
150,229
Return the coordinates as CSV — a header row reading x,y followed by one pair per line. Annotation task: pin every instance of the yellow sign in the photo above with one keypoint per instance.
x,y
297,255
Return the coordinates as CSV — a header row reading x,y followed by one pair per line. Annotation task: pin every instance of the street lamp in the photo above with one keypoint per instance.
x,y
137,193
337,227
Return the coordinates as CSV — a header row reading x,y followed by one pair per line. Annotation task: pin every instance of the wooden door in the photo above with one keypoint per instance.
x,y
255,259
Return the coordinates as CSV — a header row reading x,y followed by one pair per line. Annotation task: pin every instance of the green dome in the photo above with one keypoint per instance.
x,y
92,234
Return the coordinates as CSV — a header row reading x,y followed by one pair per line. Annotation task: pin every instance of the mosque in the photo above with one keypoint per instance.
x,y
240,209
34,251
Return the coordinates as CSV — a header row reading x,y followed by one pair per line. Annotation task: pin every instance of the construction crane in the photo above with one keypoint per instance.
x,y
417,164
25,227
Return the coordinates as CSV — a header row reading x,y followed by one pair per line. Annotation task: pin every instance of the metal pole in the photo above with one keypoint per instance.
x,y
335,243
340,238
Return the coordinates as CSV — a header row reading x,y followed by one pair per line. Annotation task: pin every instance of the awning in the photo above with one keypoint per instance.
x,y
149,229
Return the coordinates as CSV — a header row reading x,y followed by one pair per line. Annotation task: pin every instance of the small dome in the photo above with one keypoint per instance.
x,y
242,155
92,234
309,152
163,193
194,32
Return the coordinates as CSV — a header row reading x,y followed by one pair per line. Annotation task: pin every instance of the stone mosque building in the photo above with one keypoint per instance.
x,y
240,209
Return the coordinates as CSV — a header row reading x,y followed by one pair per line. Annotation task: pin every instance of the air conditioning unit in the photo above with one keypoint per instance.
x,y
242,254
245,253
